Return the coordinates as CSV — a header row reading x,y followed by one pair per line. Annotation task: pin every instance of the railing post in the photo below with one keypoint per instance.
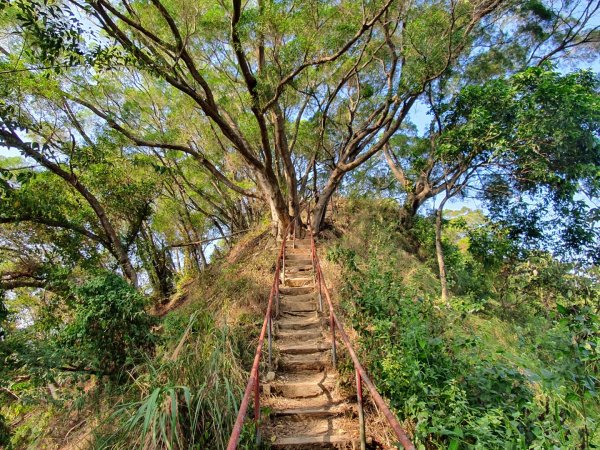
x,y
320,293
269,334
316,276
333,349
294,235
277,298
257,408
361,414
283,267
312,257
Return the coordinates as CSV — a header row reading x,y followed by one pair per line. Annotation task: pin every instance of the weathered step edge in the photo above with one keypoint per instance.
x,y
303,348
324,411
318,441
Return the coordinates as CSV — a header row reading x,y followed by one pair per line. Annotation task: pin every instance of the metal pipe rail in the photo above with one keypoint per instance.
x,y
361,374
254,379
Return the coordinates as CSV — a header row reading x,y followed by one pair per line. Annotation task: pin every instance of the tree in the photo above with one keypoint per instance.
x,y
91,170
286,88
535,132
272,71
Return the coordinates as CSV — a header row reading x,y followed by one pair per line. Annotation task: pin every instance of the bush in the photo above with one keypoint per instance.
x,y
4,433
443,382
500,368
110,330
189,401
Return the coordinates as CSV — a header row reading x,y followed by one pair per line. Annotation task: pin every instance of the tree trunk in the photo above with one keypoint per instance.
x,y
279,210
440,251
158,265
191,259
283,149
203,256
115,246
325,195
409,211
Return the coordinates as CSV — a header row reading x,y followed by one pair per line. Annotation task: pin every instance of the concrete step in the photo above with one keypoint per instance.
x,y
302,442
298,272
300,247
304,362
314,432
295,276
310,334
275,402
303,348
295,264
297,315
298,253
298,281
290,257
300,243
299,268
296,290
289,322
330,410
305,385
311,296
287,306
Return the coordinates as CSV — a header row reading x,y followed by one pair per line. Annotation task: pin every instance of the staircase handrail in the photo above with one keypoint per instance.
x,y
361,373
254,379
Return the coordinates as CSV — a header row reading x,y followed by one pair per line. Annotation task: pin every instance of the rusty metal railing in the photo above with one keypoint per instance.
x,y
253,385
361,374
267,328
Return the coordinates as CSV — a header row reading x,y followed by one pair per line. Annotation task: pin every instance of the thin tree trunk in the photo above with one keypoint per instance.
x,y
440,251
115,246
203,256
159,264
192,262
282,147
325,195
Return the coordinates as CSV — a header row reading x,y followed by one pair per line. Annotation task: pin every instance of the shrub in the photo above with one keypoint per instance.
x,y
185,402
4,433
110,330
499,368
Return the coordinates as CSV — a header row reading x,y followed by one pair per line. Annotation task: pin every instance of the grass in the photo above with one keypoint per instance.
x,y
188,396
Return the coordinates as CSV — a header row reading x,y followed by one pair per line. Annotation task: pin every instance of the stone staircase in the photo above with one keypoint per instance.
x,y
308,410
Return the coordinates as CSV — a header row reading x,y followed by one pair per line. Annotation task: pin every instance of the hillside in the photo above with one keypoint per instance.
x,y
479,372
202,348
511,360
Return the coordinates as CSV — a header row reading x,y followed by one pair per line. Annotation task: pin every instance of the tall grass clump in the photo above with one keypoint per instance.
x,y
188,398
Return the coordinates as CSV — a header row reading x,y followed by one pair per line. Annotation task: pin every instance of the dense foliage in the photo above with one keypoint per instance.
x,y
110,329
515,357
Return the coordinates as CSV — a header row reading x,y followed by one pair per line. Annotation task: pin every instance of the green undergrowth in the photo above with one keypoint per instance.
x,y
181,392
483,372
188,396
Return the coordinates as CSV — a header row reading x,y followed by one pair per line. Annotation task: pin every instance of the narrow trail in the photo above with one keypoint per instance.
x,y
307,408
